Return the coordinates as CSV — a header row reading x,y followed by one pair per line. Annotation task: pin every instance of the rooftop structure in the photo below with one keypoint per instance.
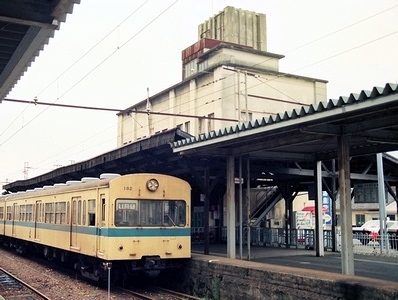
x,y
225,81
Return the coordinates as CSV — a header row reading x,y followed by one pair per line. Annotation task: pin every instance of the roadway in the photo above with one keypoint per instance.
x,y
370,266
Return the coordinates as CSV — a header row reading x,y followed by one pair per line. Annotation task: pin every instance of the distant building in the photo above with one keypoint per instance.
x,y
228,77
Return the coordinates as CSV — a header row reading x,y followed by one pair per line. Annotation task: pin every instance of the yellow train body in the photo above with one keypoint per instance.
x,y
117,218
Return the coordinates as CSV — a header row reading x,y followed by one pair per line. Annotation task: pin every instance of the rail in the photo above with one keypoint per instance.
x,y
35,291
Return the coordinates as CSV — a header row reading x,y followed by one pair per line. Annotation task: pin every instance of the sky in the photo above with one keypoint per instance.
x,y
108,53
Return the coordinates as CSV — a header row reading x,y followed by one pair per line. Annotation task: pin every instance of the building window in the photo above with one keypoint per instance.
x,y
191,68
246,117
203,66
202,125
210,122
187,127
359,220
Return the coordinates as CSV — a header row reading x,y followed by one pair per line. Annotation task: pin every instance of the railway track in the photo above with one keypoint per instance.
x,y
14,288
157,293
64,283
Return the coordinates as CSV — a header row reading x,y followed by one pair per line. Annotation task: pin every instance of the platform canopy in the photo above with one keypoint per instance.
x,y
25,28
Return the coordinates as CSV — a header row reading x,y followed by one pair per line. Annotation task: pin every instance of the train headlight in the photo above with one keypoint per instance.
x,y
152,184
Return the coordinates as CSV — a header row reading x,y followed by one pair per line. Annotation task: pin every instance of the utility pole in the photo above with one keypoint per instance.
x,y
26,170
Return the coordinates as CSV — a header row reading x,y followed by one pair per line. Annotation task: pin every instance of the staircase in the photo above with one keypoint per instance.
x,y
266,203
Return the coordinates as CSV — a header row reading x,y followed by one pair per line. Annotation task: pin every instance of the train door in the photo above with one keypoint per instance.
x,y
3,220
14,216
38,218
102,230
73,223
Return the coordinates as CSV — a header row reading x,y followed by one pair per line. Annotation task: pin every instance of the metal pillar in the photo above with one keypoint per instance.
x,y
206,211
333,212
240,210
319,247
288,215
382,202
248,207
230,199
347,253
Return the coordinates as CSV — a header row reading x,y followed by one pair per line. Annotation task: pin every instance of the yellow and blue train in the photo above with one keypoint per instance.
x,y
134,223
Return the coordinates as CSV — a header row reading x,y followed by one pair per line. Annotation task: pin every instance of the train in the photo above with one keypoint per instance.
x,y
128,224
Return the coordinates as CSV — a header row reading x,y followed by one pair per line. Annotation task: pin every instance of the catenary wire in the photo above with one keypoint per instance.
x,y
76,62
92,48
328,57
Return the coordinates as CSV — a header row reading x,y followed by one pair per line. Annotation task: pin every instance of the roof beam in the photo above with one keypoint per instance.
x,y
53,25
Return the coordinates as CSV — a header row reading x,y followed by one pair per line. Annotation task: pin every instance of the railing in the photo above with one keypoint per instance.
x,y
304,239
374,244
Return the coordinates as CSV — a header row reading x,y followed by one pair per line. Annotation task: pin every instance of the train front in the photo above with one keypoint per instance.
x,y
149,227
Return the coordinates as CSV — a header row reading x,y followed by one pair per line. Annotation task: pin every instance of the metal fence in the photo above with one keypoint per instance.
x,y
374,244
304,239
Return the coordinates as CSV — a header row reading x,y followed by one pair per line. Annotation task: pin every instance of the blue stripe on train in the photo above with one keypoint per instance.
x,y
109,232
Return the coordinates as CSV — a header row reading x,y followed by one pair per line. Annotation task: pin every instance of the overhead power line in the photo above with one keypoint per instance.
x,y
116,110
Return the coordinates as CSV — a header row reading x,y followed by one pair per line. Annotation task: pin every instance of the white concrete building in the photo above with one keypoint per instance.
x,y
223,83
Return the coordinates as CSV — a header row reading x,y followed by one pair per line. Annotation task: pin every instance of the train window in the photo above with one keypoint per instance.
x,y
22,213
103,208
126,213
49,214
39,212
79,212
60,213
91,212
84,212
15,213
74,212
174,213
67,212
9,213
1,213
29,213
150,213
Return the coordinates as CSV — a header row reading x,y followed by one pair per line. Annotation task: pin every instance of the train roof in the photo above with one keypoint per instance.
x,y
71,185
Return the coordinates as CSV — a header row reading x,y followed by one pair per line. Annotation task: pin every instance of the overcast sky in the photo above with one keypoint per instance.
x,y
137,44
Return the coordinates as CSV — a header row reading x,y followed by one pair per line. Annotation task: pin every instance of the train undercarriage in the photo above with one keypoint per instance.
x,y
94,268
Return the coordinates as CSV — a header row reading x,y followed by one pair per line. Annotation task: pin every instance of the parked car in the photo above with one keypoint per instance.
x,y
371,229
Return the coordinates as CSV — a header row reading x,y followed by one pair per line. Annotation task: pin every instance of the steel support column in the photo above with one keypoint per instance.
x,y
382,203
319,247
347,253
248,206
333,212
206,211
240,209
230,202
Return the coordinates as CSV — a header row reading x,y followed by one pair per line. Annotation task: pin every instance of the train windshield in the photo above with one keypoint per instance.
x,y
131,212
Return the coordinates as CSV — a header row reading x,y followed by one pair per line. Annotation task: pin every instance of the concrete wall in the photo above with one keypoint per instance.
x,y
239,81
214,277
236,26
215,93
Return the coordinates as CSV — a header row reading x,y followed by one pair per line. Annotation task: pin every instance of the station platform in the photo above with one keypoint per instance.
x,y
366,265
256,252
284,273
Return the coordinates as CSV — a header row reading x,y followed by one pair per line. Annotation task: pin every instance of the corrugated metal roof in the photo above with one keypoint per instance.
x,y
25,28
302,112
